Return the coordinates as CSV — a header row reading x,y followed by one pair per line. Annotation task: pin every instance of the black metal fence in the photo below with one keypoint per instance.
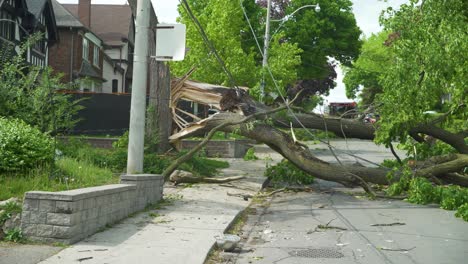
x,y
103,114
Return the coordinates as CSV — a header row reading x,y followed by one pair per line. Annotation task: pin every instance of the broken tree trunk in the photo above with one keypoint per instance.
x,y
295,152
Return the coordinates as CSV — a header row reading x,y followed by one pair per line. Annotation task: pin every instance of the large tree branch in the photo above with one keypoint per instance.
x,y
455,140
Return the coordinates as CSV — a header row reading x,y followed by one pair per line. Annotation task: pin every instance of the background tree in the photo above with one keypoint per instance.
x,y
367,71
330,33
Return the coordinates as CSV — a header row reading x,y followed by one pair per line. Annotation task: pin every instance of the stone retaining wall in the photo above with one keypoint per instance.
x,y
220,148
70,216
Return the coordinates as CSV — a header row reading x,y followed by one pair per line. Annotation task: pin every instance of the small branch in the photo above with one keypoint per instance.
x,y
390,224
395,154
396,249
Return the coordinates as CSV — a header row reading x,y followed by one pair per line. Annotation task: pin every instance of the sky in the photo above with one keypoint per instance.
x,y
366,12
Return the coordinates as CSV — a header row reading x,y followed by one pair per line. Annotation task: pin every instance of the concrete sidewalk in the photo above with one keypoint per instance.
x,y
183,232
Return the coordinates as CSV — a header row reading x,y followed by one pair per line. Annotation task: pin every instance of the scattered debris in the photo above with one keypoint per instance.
x,y
267,231
331,227
244,196
227,242
83,259
390,224
396,249
179,176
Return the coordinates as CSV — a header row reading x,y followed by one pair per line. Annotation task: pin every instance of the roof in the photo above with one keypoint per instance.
x,y
63,17
87,70
110,22
35,7
38,7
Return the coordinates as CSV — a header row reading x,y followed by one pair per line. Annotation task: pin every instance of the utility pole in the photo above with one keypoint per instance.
x,y
138,103
265,51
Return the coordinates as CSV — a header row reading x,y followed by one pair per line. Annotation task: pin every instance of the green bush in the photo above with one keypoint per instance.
x,y
250,155
288,173
23,146
462,212
7,210
31,93
452,197
421,191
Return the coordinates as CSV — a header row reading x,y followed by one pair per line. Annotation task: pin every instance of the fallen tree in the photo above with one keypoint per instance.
x,y
256,124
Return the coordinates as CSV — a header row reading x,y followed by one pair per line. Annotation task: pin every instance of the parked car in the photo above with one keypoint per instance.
x,y
371,118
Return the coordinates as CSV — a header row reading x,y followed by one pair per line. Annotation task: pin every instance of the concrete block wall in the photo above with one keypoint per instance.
x,y
149,188
70,216
220,148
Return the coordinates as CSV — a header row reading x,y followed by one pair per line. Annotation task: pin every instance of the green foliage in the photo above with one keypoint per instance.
x,y
403,184
429,45
250,154
223,21
22,146
368,69
421,191
14,235
452,197
31,94
122,142
202,166
462,212
287,172
7,210
425,150
332,32
65,175
116,159
303,134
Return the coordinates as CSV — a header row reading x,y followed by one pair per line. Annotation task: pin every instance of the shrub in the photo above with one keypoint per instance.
x,y
250,155
31,93
289,173
22,146
7,210
462,212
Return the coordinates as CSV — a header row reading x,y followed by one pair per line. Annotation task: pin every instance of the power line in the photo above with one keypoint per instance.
x,y
211,46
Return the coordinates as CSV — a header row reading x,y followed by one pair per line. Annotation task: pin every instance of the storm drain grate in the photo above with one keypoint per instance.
x,y
316,253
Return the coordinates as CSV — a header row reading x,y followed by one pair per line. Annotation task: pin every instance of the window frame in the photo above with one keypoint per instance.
x,y
96,56
85,49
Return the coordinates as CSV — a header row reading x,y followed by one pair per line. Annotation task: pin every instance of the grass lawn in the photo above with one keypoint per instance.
x,y
68,174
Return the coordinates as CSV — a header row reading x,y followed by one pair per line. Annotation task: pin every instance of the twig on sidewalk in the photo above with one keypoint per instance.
x,y
390,224
395,249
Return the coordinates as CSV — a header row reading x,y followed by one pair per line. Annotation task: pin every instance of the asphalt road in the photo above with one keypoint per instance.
x,y
333,224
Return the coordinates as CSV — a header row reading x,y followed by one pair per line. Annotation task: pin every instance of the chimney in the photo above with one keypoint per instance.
x,y
84,12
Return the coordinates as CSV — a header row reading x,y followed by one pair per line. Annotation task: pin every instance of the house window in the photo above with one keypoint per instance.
x,y
115,85
85,49
96,56
7,25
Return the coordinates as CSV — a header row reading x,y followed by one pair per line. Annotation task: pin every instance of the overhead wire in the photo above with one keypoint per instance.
x,y
205,38
331,147
210,44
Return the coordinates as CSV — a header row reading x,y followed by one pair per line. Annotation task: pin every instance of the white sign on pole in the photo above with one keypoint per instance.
x,y
170,42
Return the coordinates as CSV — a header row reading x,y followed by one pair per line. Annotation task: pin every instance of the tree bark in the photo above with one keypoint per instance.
x,y
296,152
348,175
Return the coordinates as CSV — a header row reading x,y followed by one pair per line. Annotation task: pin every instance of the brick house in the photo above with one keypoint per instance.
x,y
19,19
79,54
114,24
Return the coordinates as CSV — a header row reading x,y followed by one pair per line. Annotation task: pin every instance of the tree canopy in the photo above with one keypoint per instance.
x,y
368,70
300,47
428,69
